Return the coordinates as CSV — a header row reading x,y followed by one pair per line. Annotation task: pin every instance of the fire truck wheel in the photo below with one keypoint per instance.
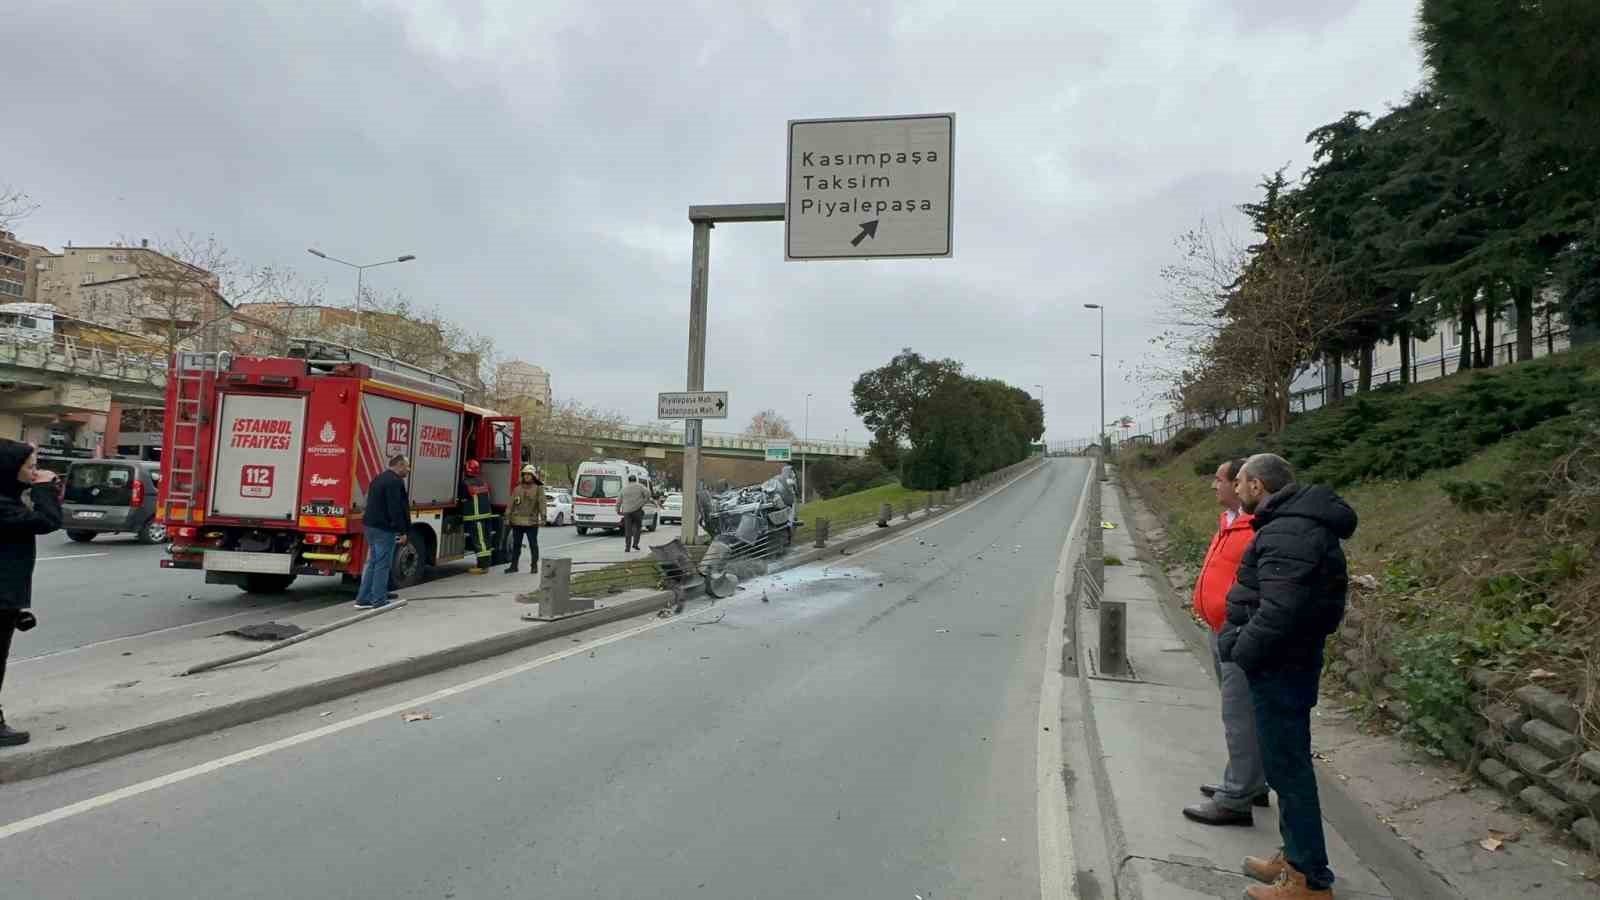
x,y
582,531
267,584
409,561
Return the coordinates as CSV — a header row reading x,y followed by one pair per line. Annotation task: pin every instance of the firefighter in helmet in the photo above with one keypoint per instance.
x,y
524,515
479,519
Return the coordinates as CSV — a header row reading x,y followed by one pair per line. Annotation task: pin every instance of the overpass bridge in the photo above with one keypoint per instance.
x,y
641,440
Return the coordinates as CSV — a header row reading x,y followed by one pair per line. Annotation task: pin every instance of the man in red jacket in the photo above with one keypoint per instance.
x,y
1244,781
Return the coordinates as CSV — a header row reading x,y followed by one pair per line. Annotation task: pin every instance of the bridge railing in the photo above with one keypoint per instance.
x,y
61,354
673,436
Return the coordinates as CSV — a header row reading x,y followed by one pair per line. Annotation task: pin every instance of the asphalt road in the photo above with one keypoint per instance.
x,y
864,730
114,587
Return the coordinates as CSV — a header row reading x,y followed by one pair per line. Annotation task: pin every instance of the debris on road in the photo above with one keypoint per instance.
x,y
266,631
418,716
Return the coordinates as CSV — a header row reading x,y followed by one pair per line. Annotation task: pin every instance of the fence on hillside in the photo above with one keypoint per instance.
x,y
1159,430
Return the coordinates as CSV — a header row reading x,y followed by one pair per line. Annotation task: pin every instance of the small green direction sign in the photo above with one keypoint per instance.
x,y
779,451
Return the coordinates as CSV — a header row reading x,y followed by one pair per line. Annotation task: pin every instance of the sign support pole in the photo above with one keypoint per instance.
x,y
703,218
699,275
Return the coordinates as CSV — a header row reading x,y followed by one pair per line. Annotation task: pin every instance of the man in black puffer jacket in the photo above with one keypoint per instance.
x,y
1288,598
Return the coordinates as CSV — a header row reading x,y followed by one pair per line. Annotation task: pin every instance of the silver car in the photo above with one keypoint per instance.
x,y
112,496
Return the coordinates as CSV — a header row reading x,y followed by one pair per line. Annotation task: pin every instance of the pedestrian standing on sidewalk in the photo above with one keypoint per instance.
x,y
387,519
631,506
524,515
29,507
1243,781
1289,597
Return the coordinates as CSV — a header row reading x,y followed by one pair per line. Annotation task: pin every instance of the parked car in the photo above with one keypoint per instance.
x,y
672,509
112,496
557,507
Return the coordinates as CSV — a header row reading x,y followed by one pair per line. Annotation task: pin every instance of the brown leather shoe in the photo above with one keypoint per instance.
x,y
1291,885
1266,871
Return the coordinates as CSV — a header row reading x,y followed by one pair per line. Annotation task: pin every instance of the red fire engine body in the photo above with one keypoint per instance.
x,y
267,460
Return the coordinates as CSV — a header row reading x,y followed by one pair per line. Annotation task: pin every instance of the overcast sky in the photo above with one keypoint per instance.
x,y
539,157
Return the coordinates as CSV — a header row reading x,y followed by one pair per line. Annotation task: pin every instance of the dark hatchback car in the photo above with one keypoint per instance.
x,y
112,496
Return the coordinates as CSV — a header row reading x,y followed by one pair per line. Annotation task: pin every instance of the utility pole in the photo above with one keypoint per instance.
x,y
1102,354
360,268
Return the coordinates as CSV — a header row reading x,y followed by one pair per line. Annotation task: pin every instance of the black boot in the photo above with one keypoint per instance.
x,y
8,737
511,569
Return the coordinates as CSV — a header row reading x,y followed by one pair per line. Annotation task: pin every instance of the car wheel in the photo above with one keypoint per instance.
x,y
153,532
267,584
653,523
582,531
82,537
561,519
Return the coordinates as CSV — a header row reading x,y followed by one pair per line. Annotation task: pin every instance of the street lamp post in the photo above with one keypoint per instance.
x,y
359,269
807,436
1102,355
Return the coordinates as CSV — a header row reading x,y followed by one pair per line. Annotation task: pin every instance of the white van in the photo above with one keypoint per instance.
x,y
595,492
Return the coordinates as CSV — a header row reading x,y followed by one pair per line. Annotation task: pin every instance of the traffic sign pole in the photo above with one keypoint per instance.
x,y
699,274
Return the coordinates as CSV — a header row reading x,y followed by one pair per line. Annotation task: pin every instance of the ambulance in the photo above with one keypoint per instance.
x,y
595,492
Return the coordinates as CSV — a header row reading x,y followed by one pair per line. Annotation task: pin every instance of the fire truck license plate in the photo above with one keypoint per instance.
x,y
249,563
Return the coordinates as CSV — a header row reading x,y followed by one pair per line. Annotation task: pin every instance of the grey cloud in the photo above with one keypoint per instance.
x,y
539,160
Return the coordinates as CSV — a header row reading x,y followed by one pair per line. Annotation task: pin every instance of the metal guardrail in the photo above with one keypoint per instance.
x,y
651,434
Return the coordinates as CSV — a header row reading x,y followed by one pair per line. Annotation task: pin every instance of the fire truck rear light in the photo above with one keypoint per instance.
x,y
183,532
322,539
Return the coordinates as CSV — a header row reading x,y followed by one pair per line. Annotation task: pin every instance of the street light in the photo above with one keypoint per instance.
x,y
359,269
807,436
1102,355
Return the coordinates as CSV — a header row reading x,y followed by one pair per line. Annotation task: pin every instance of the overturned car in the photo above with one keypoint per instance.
x,y
753,523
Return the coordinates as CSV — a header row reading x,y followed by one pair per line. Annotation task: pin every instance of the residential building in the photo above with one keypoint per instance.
x,y
137,289
523,385
18,269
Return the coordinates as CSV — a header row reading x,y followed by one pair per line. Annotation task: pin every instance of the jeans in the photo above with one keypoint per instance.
x,y
518,532
632,525
375,576
1283,699
1243,779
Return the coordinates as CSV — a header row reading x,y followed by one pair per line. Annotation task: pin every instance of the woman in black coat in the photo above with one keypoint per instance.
x,y
28,508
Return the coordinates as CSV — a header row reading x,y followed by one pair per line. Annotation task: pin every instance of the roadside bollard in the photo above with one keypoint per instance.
x,y
822,534
555,591
1113,637
885,515
908,509
928,509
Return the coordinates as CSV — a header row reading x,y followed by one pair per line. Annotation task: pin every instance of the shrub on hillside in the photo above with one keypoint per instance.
x,y
1184,441
832,477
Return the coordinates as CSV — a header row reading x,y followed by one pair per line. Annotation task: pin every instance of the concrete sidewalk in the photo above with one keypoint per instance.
x,y
1155,737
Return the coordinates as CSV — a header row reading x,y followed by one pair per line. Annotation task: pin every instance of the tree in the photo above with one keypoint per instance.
x,y
566,434
890,399
182,292
768,424
1532,67
15,205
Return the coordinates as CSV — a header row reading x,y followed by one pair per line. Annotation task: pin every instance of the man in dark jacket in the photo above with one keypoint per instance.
x,y
28,508
1289,597
387,518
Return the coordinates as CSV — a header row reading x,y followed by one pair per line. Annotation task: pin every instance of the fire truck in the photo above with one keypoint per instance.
x,y
266,462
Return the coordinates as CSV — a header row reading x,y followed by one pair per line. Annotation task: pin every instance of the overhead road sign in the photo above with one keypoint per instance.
x,y
779,451
870,188
692,405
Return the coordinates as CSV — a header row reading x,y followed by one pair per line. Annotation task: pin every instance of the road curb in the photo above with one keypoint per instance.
x,y
21,766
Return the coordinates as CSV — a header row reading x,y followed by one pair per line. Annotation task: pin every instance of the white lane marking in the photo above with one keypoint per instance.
x,y
144,787
1056,859
93,803
72,556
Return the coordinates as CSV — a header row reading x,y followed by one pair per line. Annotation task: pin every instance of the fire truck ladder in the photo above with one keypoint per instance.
x,y
190,415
